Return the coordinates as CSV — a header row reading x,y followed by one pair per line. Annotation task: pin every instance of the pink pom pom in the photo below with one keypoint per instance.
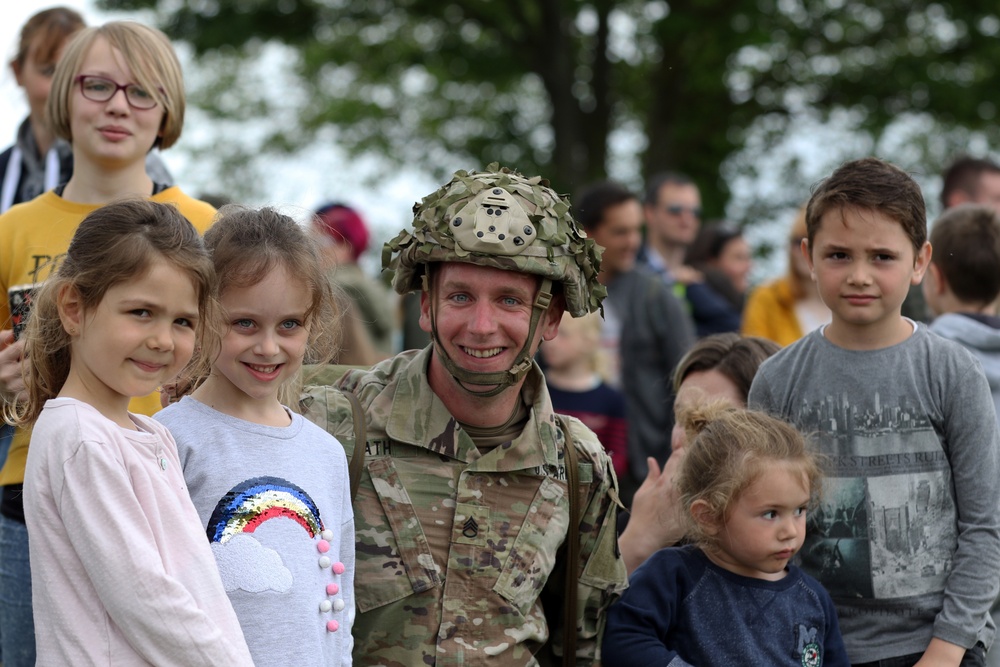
x,y
323,546
338,568
332,589
332,626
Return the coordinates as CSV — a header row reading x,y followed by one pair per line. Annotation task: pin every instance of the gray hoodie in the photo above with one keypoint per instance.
x,y
980,334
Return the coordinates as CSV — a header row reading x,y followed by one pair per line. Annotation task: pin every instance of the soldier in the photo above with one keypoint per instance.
x,y
463,507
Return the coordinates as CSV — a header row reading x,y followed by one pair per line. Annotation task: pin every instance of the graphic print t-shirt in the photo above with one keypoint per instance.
x,y
275,504
909,446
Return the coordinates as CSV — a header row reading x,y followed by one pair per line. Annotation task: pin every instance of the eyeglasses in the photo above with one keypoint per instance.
x,y
101,89
678,209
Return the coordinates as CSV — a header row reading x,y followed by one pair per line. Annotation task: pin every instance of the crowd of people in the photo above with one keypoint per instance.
x,y
601,446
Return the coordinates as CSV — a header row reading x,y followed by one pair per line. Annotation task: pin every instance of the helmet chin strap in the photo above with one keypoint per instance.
x,y
501,380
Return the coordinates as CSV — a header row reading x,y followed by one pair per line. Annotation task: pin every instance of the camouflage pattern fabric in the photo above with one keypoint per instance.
x,y
455,549
501,219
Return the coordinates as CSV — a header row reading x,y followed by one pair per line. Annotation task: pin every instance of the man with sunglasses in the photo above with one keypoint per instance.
x,y
673,218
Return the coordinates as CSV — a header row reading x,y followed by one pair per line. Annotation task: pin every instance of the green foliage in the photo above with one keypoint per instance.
x,y
541,85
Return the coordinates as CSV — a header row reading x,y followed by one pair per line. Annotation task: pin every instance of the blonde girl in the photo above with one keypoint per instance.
x,y
121,571
576,375
271,488
732,597
38,160
117,92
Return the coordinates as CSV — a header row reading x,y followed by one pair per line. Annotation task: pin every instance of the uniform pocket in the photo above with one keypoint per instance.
x,y
394,559
533,554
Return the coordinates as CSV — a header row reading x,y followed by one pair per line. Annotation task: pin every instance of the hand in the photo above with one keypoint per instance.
x,y
940,653
13,367
656,519
687,275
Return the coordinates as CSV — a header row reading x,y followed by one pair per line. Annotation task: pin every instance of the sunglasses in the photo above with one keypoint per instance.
x,y
679,209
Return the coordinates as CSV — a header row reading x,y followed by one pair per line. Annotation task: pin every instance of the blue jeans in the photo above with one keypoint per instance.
x,y
16,622
6,435
974,657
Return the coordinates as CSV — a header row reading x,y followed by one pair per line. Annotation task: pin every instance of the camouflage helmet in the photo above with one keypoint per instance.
x,y
501,219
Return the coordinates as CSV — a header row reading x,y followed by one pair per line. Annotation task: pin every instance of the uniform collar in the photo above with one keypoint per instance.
x,y
419,418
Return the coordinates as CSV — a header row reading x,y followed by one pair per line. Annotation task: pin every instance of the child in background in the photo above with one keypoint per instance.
x,y
732,598
907,541
961,287
573,372
963,282
121,571
271,487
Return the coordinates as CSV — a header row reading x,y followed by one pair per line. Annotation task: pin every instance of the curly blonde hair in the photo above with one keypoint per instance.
x,y
729,448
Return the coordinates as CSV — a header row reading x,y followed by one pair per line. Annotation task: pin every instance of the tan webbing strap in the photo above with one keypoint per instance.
x,y
572,547
357,463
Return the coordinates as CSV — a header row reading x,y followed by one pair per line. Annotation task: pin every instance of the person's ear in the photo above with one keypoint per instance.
x,y
70,308
920,263
552,317
15,67
425,311
703,515
804,249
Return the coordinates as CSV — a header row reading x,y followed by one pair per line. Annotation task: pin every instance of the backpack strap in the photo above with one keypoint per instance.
x,y
357,463
572,546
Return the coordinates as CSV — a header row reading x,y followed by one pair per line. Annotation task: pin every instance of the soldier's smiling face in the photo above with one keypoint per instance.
x,y
483,315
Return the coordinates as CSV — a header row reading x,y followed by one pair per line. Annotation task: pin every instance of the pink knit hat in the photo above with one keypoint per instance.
x,y
343,225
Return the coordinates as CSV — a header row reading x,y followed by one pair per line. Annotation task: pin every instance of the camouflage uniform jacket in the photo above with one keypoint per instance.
x,y
454,549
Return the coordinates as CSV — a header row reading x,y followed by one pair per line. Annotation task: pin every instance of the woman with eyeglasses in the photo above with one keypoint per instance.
x,y
117,93
789,307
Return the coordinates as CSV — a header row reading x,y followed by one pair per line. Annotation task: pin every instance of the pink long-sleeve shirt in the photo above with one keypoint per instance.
x,y
122,573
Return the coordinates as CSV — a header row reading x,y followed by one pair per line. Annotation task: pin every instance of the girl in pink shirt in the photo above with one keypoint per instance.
x,y
120,568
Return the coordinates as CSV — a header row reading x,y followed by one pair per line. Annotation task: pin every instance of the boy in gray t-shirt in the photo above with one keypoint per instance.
x,y
907,538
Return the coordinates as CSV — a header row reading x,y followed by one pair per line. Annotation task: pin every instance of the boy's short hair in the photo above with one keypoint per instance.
x,y
966,241
150,56
874,185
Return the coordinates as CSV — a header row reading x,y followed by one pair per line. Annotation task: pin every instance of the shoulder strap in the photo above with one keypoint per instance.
x,y
357,463
572,547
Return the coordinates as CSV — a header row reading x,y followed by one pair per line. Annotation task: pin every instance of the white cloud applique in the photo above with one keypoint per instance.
x,y
246,564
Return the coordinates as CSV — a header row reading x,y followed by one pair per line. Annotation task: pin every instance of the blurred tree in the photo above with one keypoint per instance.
x,y
559,86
